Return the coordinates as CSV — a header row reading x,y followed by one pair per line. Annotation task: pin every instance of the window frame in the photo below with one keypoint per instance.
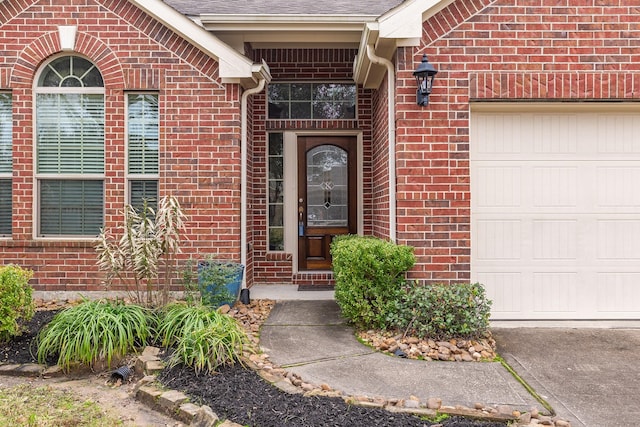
x,y
312,85
39,178
140,177
268,190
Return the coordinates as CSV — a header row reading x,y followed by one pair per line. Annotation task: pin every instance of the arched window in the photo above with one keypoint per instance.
x,y
69,148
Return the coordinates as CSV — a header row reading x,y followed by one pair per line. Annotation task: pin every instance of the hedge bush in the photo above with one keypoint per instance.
x,y
442,311
16,302
369,274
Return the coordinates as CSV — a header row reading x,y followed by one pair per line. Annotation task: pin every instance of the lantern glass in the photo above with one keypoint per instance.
x,y
424,74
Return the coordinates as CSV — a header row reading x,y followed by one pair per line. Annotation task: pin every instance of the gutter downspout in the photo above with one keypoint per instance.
x,y
392,137
243,172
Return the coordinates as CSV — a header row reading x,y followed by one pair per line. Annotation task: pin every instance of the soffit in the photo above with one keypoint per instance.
x,y
278,23
264,31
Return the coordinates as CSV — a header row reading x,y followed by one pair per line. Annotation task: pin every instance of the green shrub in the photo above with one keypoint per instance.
x,y
442,311
94,331
369,275
16,303
202,338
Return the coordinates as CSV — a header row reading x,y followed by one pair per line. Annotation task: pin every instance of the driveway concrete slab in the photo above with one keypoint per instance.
x,y
589,376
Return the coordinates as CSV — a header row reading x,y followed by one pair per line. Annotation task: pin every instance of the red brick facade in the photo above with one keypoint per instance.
x,y
485,50
199,122
558,50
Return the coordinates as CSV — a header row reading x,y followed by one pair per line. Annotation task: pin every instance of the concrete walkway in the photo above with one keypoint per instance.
x,y
589,376
310,338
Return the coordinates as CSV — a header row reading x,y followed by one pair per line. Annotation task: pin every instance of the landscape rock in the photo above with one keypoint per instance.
x,y
205,417
434,403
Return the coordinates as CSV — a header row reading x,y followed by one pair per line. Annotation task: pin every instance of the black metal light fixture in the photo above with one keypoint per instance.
x,y
424,74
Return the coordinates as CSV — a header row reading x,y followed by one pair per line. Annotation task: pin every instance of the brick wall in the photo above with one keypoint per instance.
x,y
379,213
199,125
286,65
558,50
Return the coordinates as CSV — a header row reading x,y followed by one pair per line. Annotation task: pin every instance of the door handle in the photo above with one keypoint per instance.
x,y
300,219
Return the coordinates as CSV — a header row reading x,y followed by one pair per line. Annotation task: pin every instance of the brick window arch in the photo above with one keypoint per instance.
x,y
69,164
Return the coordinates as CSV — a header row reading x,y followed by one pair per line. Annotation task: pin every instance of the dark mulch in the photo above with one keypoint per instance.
x,y
22,349
244,397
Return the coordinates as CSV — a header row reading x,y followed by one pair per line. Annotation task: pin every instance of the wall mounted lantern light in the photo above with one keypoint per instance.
x,y
424,74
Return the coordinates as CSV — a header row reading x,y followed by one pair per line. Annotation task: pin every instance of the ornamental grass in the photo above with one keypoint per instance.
x,y
201,338
95,331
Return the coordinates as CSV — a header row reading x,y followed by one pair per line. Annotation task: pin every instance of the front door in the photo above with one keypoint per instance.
x,y
327,196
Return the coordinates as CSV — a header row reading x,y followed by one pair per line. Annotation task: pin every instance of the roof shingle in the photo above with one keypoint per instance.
x,y
280,7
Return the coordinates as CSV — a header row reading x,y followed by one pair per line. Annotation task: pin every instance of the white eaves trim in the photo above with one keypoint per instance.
x,y
404,22
234,67
401,26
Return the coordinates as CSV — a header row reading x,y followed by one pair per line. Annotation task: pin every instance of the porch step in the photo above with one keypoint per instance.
x,y
287,292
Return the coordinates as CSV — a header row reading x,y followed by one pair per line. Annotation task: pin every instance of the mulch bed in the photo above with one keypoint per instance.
x,y
22,349
240,395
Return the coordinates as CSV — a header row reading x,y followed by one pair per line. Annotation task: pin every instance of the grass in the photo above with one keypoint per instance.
x,y
25,405
527,387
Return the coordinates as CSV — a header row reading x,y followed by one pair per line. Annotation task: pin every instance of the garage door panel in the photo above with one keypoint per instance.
x,y
498,240
554,134
555,186
618,239
614,186
618,133
502,186
504,288
555,292
555,239
556,214
614,290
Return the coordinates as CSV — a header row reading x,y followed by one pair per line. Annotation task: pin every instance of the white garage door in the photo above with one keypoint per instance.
x,y
555,193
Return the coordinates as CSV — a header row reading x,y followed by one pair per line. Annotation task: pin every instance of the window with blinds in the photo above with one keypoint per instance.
x,y
70,148
6,163
70,133
143,122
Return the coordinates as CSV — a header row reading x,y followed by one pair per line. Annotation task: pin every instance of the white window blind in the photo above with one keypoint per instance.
x,y
6,162
143,124
70,129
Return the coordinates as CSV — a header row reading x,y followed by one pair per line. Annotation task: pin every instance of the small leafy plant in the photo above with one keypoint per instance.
x,y
207,284
93,331
202,338
443,311
16,303
213,278
369,275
